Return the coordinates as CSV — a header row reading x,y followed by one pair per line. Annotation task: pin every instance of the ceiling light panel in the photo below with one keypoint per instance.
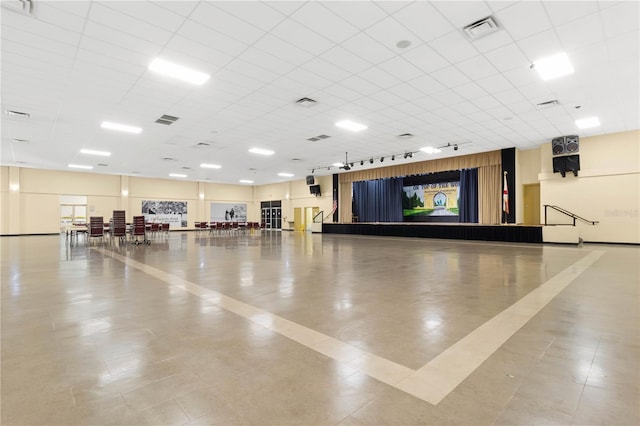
x,y
178,72
286,174
261,151
553,67
210,166
94,152
178,175
587,123
80,166
351,125
245,181
109,125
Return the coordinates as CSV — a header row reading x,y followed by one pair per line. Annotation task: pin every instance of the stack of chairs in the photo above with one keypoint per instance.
x,y
138,229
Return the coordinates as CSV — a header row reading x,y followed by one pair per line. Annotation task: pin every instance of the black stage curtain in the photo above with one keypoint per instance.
x,y
378,200
468,208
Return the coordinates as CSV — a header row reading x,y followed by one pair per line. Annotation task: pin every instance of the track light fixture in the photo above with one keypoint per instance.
x,y
393,158
313,171
362,162
371,161
381,159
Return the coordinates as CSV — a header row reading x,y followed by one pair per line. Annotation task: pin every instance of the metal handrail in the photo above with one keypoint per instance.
x,y
319,214
568,213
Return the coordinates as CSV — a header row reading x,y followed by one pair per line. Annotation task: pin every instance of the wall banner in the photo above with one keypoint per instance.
x,y
228,212
172,212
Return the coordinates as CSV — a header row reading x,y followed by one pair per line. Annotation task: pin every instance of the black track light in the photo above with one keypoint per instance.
x,y
371,161
393,158
362,162
313,171
381,159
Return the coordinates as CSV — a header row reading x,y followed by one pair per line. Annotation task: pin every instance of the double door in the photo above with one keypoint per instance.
x,y
271,214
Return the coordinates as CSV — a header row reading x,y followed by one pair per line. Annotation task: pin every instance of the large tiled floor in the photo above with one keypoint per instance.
x,y
288,328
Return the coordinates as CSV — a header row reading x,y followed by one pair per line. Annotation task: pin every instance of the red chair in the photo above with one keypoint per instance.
x,y
96,228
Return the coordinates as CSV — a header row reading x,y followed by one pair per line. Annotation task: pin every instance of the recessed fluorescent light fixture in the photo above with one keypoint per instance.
x,y
553,66
79,166
180,175
337,164
261,151
586,123
120,127
351,125
210,166
245,181
285,174
178,72
94,152
430,150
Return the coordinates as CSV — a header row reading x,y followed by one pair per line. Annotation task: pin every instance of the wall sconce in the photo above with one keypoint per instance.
x,y
125,192
14,187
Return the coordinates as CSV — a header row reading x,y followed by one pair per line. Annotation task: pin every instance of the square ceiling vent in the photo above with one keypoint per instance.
x,y
481,28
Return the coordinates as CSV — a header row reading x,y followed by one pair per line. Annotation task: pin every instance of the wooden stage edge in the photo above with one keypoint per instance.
x,y
445,230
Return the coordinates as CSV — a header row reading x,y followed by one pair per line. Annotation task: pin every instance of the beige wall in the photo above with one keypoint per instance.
x,y
35,207
607,188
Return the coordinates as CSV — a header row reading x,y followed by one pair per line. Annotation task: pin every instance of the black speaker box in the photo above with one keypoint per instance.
x,y
573,164
560,165
311,180
558,146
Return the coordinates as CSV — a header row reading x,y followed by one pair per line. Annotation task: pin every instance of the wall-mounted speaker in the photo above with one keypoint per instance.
x,y
311,180
558,146
572,144
560,165
573,164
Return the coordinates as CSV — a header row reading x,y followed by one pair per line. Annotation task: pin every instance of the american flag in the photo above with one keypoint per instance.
x,y
505,195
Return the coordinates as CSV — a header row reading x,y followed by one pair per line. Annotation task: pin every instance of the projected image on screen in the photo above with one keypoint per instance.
x,y
430,200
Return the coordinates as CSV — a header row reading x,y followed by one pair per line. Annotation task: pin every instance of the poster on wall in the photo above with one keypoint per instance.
x,y
172,212
430,201
228,212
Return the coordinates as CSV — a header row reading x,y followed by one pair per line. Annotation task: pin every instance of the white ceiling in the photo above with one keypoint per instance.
x,y
72,65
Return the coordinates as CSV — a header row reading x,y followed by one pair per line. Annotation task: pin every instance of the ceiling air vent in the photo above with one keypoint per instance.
x,y
203,144
306,102
17,114
481,28
169,159
405,136
548,104
167,119
20,6
318,138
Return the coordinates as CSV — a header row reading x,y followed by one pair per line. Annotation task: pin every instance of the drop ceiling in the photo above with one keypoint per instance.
x,y
72,65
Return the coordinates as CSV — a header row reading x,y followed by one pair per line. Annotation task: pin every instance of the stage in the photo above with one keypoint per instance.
x,y
456,231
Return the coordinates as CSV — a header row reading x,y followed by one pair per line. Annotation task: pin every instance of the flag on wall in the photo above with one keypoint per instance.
x,y
505,195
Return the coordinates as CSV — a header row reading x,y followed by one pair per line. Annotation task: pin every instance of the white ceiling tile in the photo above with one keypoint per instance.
x,y
326,69
423,20
360,85
309,79
450,77
127,24
60,17
541,45
621,18
454,47
151,13
425,58
317,18
465,108
380,77
447,97
521,76
486,102
39,28
427,84
346,60
252,70
561,12
389,32
463,13
581,32
368,49
401,68
284,50
255,13
406,91
624,48
495,83
199,33
392,7
78,8
387,98
477,67
359,13
524,19
507,58
123,40
267,61
470,91
300,36
215,18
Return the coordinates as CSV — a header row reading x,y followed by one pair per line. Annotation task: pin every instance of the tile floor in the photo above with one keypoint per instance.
x,y
290,328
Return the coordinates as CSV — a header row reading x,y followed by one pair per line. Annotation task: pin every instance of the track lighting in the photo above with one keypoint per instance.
x,y
313,171
362,162
381,159
393,158
371,161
